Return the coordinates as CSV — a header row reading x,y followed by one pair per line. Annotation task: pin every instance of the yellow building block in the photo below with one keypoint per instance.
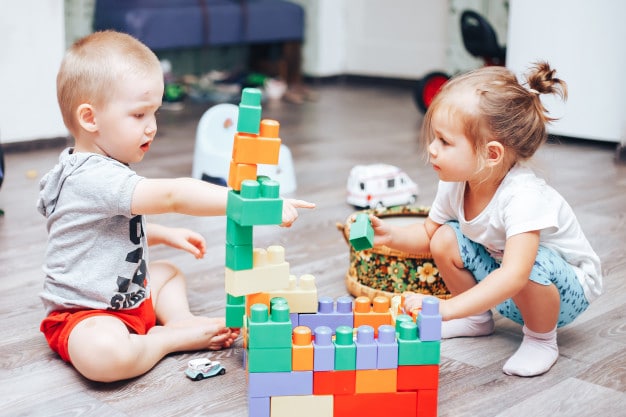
x,y
301,294
269,272
302,406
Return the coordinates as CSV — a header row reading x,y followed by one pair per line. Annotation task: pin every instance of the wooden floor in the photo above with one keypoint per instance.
x,y
349,124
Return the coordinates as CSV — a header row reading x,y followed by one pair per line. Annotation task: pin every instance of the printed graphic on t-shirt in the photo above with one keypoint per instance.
x,y
132,290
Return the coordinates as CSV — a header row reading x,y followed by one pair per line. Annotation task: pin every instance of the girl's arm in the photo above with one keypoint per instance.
x,y
520,252
414,238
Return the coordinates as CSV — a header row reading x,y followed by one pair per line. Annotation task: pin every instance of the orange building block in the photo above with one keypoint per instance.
x,y
261,149
376,380
257,298
376,405
418,377
375,314
240,172
302,349
334,382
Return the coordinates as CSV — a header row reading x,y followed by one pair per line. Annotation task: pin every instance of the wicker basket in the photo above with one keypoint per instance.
x,y
388,272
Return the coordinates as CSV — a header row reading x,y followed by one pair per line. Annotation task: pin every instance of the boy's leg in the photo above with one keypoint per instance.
x,y
169,297
446,253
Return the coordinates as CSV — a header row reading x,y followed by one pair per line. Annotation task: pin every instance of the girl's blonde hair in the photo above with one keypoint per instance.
x,y
505,111
93,66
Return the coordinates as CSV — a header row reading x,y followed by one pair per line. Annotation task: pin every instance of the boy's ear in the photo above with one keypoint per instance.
x,y
495,152
86,117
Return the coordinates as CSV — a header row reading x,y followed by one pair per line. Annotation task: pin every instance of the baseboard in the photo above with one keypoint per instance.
x,y
36,144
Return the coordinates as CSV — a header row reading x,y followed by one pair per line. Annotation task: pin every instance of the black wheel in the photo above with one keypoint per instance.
x,y
222,371
412,200
427,88
199,377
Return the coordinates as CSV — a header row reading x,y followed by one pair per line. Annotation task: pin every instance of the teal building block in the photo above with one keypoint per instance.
x,y
269,331
269,359
345,349
239,257
412,351
237,234
235,311
249,120
362,233
401,318
256,204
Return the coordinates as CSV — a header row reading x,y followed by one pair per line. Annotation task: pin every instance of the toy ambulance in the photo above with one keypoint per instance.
x,y
380,185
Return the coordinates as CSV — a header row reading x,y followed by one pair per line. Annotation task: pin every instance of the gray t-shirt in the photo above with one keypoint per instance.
x,y
96,256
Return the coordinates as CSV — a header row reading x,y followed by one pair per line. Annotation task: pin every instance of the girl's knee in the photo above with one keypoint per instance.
x,y
444,243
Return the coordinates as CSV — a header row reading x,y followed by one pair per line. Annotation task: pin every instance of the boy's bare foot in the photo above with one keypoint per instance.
x,y
199,333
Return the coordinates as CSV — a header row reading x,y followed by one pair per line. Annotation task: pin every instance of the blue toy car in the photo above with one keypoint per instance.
x,y
199,369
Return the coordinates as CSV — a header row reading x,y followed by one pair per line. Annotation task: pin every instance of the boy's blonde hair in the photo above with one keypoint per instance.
x,y
92,67
503,110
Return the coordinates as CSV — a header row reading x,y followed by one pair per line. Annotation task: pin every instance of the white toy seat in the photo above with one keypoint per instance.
x,y
214,146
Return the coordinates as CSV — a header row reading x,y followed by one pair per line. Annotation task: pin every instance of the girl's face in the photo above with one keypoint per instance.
x,y
451,153
127,123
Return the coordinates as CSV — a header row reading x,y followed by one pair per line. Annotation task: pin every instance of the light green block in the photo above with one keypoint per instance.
x,y
249,119
265,331
345,349
412,351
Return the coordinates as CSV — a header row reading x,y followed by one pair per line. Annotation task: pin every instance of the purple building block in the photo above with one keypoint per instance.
x,y
429,320
323,349
387,353
258,406
294,320
366,348
328,314
274,384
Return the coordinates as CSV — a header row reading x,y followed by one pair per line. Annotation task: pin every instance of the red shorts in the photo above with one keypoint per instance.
x,y
59,324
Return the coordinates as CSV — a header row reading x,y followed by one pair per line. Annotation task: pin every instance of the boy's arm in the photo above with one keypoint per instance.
x,y
176,237
194,197
179,195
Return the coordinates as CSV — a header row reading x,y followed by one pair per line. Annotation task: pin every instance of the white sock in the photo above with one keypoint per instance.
x,y
478,325
535,356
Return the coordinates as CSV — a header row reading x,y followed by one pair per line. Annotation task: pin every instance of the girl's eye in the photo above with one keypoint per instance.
x,y
138,115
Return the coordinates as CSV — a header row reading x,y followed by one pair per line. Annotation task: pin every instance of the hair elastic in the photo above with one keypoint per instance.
x,y
532,90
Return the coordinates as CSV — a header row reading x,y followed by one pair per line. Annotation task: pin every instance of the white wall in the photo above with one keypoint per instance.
x,y
399,38
31,48
584,42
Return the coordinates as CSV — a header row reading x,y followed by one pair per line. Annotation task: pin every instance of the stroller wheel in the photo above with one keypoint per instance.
x,y
427,88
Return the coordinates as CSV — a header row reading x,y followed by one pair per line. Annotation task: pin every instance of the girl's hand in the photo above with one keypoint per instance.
x,y
382,231
412,302
290,210
186,240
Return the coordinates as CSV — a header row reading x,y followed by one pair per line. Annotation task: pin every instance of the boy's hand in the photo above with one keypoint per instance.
x,y
187,240
290,210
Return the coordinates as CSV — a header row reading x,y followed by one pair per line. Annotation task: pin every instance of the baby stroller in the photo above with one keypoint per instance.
x,y
479,39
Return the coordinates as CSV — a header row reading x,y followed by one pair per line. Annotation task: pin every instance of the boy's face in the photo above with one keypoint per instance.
x,y
127,123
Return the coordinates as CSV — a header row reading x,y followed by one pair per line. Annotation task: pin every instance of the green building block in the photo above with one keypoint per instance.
x,y
256,204
412,351
235,311
345,349
269,331
269,360
249,120
237,234
401,318
239,257
362,233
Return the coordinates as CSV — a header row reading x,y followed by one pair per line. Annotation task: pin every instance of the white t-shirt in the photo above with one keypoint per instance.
x,y
523,203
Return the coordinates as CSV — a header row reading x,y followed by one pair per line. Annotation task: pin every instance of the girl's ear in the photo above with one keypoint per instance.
x,y
495,153
86,117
